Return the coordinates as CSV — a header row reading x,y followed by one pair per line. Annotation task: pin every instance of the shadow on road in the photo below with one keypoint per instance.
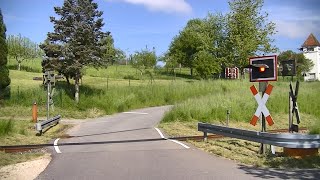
x,y
113,132
282,174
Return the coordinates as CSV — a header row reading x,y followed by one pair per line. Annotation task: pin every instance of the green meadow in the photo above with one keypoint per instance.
x,y
121,88
107,91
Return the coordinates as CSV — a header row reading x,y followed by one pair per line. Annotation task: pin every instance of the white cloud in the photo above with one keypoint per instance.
x,y
296,29
294,22
168,6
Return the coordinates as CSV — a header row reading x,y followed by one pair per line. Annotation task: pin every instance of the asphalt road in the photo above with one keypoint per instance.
x,y
161,159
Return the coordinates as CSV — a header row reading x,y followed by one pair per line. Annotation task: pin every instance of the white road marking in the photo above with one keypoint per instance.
x,y
56,147
178,142
160,133
135,113
175,141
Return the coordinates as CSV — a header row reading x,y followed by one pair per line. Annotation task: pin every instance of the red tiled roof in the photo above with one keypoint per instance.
x,y
311,41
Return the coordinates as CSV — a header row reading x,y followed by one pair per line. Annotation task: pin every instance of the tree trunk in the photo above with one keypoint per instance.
x,y
191,72
68,81
19,64
76,94
242,73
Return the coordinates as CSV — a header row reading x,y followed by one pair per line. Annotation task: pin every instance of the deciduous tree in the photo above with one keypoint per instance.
x,y
22,48
302,63
143,60
206,65
111,54
249,31
207,35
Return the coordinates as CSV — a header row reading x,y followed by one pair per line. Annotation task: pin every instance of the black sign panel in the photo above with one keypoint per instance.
x,y
288,68
263,68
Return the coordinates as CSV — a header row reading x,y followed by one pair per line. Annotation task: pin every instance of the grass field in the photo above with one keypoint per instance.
x,y
106,91
98,95
121,88
113,71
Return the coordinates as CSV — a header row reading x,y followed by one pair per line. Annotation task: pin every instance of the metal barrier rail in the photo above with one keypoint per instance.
x,y
282,140
43,124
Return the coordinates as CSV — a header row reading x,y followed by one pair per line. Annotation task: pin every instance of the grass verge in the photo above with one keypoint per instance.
x,y
241,151
21,132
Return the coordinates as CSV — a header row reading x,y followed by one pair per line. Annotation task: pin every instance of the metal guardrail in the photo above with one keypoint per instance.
x,y
43,124
282,140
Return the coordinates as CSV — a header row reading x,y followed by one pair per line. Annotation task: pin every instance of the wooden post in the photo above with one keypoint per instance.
x,y
48,98
34,112
107,82
290,112
228,116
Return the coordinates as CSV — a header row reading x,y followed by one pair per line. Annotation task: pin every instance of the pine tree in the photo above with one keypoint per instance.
x,y
76,40
4,72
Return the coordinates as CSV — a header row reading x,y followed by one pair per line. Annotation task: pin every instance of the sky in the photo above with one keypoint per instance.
x,y
135,24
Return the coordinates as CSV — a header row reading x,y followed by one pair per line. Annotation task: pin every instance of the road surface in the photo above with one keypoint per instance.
x,y
150,160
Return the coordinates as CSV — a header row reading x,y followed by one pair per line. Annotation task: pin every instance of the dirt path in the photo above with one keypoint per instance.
x,y
26,170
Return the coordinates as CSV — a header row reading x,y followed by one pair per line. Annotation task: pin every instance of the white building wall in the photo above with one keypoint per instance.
x,y
314,73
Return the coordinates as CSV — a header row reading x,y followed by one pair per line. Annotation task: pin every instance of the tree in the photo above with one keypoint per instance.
x,y
144,59
4,72
206,34
22,48
77,40
302,63
170,62
187,44
249,32
206,65
119,55
110,53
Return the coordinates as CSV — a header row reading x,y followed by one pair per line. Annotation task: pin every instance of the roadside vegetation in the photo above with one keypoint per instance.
x,y
101,79
22,132
241,151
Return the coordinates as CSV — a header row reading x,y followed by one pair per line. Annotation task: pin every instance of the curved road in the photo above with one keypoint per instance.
x,y
161,159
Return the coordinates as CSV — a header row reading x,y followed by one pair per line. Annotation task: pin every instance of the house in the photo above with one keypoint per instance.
x,y
311,50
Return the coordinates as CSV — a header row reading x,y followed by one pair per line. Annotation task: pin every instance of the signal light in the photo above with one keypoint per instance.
x,y
262,69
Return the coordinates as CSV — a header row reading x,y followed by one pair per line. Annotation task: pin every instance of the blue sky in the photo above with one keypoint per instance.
x,y
136,24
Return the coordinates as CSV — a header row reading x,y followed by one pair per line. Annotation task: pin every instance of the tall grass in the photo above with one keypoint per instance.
x,y
195,100
236,97
6,127
97,99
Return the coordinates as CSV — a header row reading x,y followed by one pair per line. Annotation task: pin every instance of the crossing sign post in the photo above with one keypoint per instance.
x,y
262,70
262,108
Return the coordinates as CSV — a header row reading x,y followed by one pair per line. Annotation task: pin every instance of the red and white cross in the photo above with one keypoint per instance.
x,y
262,105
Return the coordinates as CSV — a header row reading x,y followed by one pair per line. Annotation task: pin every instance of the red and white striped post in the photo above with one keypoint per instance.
x,y
262,104
266,89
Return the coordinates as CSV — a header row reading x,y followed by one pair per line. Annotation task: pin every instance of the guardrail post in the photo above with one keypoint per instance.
x,y
205,136
44,124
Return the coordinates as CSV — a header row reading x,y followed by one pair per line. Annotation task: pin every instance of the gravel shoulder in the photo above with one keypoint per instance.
x,y
31,169
26,170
